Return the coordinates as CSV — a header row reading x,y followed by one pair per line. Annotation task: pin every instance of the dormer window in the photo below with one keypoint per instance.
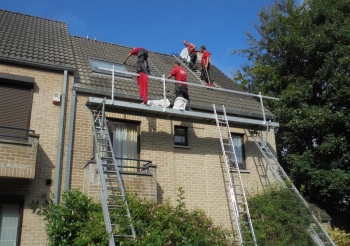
x,y
106,67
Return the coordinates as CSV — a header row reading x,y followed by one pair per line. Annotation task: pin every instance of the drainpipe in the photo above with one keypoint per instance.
x,y
70,139
60,141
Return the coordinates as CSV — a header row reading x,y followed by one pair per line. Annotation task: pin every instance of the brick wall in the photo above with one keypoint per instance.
x,y
198,169
45,118
18,158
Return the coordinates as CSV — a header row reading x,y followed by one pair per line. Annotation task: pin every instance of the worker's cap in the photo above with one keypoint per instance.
x,y
203,47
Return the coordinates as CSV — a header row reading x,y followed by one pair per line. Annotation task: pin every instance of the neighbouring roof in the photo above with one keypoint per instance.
x,y
35,41
127,89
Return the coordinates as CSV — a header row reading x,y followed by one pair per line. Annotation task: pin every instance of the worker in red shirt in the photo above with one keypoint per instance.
x,y
192,53
142,68
205,63
180,89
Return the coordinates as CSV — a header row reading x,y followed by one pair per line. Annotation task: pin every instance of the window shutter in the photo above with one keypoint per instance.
x,y
15,109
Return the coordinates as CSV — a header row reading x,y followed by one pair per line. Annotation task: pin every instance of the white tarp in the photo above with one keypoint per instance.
x,y
159,103
180,103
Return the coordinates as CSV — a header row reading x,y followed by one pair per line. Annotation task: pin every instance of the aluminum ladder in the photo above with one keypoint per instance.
x,y
112,194
196,73
316,230
237,194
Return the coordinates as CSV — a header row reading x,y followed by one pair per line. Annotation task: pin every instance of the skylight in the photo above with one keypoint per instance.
x,y
105,67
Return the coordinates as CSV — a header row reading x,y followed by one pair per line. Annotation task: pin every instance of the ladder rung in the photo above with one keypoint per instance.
x,y
114,187
111,195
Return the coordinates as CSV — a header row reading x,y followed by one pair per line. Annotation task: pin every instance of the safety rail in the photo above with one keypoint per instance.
x,y
18,129
164,80
144,167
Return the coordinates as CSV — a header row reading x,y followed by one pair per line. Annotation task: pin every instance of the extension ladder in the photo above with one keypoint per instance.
x,y
196,73
316,230
237,194
112,193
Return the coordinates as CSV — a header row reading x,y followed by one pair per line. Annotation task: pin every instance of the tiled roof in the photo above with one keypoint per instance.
x,y
33,40
201,98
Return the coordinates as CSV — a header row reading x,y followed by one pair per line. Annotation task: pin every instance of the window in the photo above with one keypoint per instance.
x,y
239,150
16,93
10,219
125,139
106,67
180,136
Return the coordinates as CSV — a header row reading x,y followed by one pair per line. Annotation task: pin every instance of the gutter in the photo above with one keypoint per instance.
x,y
107,93
37,64
70,139
58,172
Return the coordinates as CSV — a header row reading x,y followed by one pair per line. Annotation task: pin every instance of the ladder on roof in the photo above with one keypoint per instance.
x,y
239,204
112,194
316,230
196,73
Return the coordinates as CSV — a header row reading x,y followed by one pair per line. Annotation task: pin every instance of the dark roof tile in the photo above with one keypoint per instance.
x,y
35,40
86,48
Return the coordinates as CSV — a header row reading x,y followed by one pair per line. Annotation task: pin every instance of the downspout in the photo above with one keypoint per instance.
x,y
70,139
60,141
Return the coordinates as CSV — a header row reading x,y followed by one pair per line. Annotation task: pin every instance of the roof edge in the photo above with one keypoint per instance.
x,y
196,106
37,64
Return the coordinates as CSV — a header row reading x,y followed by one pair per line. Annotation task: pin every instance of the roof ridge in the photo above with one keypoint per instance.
x,y
120,45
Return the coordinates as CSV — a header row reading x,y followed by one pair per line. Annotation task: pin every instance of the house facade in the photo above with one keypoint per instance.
x,y
49,83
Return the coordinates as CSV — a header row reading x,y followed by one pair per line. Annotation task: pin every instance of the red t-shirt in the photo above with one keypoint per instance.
x,y
135,51
180,74
191,49
205,57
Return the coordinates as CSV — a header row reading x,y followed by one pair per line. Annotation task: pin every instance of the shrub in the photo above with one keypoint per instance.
x,y
280,218
77,221
164,224
339,237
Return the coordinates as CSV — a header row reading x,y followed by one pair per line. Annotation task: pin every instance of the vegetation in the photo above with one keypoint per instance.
x,y
339,237
164,224
302,57
78,221
280,218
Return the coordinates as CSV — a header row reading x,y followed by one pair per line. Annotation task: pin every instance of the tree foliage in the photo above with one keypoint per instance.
x,y
302,57
164,224
280,218
77,221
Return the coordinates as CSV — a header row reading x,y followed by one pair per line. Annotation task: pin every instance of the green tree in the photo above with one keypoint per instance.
x,y
302,57
280,218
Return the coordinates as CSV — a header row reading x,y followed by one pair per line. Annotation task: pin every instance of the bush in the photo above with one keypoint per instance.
x,y
280,218
77,221
164,224
339,237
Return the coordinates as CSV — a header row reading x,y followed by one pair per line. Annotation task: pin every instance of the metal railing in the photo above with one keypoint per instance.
x,y
164,80
18,136
139,168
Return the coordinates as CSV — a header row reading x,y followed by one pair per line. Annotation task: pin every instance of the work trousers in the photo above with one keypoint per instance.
x,y
193,60
142,64
205,74
182,91
142,81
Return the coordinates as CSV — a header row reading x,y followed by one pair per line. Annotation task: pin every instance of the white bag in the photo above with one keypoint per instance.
x,y
184,54
180,103
159,103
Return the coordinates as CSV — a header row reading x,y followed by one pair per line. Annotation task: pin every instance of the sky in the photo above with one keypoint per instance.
x,y
157,25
